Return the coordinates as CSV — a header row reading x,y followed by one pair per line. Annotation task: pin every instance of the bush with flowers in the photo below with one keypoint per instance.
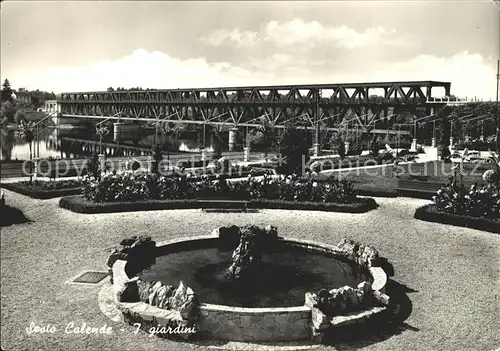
x,y
131,186
477,201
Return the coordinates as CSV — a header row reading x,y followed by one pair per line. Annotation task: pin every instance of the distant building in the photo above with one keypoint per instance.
x,y
51,106
23,96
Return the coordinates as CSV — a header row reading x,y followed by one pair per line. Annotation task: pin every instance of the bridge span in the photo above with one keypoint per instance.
x,y
324,105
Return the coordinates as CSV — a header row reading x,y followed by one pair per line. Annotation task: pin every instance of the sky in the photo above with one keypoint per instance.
x,y
65,46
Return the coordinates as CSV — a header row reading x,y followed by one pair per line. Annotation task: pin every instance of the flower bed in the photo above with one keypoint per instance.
x,y
79,204
132,187
477,201
475,207
430,213
45,189
131,191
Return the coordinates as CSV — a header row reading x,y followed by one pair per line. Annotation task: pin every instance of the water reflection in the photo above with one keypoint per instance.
x,y
81,142
7,143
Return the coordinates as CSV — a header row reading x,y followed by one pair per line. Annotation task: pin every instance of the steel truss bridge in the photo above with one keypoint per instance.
x,y
325,106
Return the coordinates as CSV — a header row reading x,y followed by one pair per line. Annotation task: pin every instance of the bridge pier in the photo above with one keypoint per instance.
x,y
246,154
316,149
413,147
233,139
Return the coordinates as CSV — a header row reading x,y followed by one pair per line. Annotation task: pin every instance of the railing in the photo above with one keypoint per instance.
x,y
264,101
451,100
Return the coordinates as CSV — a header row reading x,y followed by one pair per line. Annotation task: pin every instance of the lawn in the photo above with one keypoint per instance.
x,y
384,179
444,283
38,185
41,189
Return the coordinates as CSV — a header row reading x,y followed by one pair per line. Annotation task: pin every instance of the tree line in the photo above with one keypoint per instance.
x,y
13,109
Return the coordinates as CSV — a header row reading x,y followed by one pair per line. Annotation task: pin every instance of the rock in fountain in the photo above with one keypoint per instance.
x,y
338,301
247,256
138,251
364,255
182,299
180,305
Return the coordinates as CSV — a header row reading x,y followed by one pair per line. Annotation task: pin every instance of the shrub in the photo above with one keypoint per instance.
x,y
129,187
93,165
374,148
293,149
157,158
445,153
222,165
490,176
340,147
476,201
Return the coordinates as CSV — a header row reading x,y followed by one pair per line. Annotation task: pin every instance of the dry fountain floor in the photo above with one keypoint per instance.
x,y
450,274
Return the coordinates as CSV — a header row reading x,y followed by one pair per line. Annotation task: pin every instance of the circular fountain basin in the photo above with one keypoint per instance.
x,y
285,275
270,307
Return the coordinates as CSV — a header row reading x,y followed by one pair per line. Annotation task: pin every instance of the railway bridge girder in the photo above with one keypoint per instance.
x,y
316,105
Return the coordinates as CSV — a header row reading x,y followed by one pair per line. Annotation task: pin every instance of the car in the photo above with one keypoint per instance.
x,y
473,156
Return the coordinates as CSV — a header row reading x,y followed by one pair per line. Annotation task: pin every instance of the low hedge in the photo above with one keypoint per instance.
x,y
377,192
80,205
430,213
360,206
10,215
41,193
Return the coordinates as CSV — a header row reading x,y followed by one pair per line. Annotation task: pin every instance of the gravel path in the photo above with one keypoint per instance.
x,y
454,272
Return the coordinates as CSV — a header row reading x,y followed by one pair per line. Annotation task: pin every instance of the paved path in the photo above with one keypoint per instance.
x,y
454,272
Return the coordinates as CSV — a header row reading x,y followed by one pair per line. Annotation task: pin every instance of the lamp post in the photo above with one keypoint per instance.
x,y
433,142
317,141
497,120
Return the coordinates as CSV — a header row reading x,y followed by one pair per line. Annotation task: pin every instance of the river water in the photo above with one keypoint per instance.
x,y
81,142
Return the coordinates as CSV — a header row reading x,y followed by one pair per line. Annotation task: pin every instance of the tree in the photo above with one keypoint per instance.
x,y
101,131
168,129
93,166
7,143
293,149
157,158
267,134
444,142
38,97
374,149
20,116
326,138
7,111
6,91
339,143
26,133
218,141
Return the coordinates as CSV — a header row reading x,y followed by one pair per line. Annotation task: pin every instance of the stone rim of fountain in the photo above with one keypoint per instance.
x,y
276,323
